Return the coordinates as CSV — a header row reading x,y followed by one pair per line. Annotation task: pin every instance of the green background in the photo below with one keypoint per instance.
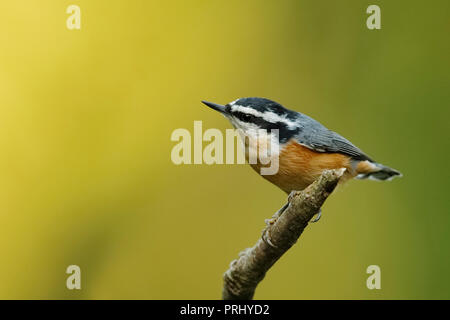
x,y
86,118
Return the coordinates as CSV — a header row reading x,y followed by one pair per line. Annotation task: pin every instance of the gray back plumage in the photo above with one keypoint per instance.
x,y
314,135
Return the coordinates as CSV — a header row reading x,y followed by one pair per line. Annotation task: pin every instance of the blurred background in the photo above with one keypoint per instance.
x,y
86,118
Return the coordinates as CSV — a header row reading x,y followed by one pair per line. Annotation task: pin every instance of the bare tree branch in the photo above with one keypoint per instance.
x,y
283,231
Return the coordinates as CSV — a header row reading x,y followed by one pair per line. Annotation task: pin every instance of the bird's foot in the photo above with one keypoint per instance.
x,y
266,237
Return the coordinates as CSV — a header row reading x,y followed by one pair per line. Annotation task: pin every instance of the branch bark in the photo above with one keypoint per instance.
x,y
281,233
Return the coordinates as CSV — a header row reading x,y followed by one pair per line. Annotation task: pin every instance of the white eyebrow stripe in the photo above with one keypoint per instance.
x,y
247,110
268,116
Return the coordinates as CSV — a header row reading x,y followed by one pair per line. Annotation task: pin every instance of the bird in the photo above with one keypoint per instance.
x,y
306,147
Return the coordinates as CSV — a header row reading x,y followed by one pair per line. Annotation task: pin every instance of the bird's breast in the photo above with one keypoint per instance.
x,y
299,166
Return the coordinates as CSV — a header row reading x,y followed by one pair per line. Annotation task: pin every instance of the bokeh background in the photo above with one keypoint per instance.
x,y
86,118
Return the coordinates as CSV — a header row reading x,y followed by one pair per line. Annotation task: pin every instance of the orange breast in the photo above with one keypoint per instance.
x,y
300,166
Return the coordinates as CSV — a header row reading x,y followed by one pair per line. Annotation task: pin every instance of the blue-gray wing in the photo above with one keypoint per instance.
x,y
317,137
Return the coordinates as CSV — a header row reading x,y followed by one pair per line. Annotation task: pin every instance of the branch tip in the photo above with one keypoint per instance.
x,y
244,273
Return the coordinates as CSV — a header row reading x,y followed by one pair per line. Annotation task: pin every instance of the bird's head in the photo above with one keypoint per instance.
x,y
259,113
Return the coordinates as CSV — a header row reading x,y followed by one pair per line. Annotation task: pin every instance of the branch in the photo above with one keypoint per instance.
x,y
282,232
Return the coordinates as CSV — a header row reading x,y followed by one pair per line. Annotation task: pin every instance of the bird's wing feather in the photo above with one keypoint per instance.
x,y
321,139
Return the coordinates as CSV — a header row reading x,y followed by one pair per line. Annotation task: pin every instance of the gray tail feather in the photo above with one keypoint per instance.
x,y
385,173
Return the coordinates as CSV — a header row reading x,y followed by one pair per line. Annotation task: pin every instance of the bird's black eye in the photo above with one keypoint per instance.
x,y
247,117
244,117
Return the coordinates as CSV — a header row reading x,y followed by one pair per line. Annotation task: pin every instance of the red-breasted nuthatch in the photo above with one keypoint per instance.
x,y
306,147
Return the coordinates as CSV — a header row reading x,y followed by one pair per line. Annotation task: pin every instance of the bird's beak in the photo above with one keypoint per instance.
x,y
216,107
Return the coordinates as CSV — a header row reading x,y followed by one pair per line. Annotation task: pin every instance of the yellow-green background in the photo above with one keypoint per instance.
x,y
86,117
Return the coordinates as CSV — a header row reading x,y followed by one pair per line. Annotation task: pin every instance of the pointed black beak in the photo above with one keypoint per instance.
x,y
216,107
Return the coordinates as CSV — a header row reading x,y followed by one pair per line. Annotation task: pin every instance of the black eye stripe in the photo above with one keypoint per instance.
x,y
245,116
285,133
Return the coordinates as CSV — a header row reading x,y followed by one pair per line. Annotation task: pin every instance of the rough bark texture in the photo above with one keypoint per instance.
x,y
282,232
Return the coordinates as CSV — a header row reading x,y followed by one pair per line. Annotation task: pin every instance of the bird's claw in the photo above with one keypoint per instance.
x,y
319,214
266,237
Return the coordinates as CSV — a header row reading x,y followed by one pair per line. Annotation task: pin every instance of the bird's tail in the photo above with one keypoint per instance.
x,y
375,171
